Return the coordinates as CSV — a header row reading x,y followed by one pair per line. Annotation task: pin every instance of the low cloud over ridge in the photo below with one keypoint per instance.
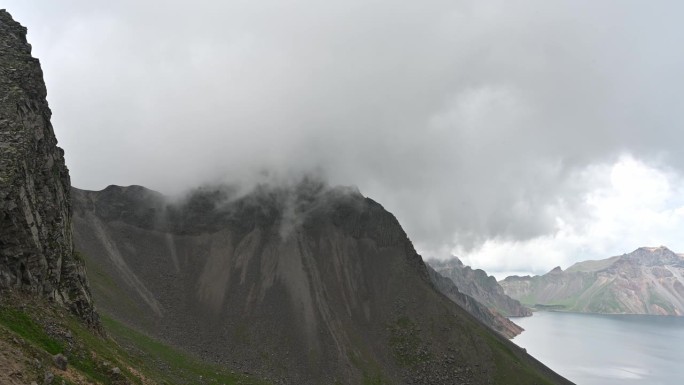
x,y
473,122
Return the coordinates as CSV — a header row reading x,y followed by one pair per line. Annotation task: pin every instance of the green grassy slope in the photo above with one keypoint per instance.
x,y
36,330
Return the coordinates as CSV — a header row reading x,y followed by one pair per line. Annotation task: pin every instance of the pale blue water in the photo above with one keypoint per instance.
x,y
591,349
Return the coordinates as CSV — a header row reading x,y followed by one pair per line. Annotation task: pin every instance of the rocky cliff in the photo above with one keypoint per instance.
x,y
649,280
482,287
303,284
489,317
36,247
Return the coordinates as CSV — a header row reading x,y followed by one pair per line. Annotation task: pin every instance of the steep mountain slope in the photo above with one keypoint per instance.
x,y
49,330
302,284
36,247
488,316
477,284
649,280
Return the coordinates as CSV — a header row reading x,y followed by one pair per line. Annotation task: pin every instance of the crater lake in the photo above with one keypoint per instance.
x,y
594,349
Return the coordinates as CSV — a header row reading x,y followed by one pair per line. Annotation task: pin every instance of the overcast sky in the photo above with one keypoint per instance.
x,y
519,135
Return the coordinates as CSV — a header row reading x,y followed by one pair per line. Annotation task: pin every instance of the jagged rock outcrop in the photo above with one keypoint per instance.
x,y
649,280
482,287
488,316
36,247
303,284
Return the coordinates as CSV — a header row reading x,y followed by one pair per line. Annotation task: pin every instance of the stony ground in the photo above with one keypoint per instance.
x,y
13,365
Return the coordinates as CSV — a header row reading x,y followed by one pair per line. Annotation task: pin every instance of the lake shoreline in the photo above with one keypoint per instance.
x,y
598,314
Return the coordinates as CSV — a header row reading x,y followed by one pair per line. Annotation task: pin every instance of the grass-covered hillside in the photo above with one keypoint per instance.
x,y
33,333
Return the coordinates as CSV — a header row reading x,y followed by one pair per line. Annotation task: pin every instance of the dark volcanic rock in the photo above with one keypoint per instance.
x,y
305,284
60,361
36,248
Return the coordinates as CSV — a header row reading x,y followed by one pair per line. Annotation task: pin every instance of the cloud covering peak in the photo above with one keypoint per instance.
x,y
474,122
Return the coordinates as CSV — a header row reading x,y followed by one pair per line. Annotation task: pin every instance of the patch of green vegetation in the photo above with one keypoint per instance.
x,y
587,296
93,356
567,303
604,301
102,283
406,344
528,300
19,322
61,380
241,333
578,300
372,379
499,346
179,367
655,299
509,369
371,371
97,356
372,375
80,357
405,323
79,257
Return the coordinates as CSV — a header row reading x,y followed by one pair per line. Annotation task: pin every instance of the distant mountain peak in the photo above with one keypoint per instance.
x,y
645,281
652,256
478,285
451,262
654,249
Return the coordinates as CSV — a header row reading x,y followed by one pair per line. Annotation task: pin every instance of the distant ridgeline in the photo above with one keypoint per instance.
x,y
487,315
478,293
649,280
477,284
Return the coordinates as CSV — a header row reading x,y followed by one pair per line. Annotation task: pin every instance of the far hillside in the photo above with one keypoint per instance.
x,y
649,280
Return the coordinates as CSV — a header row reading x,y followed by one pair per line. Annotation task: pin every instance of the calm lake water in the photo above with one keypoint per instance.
x,y
593,349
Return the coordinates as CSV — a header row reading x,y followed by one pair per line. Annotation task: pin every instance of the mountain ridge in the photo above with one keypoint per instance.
x,y
339,280
480,311
649,280
479,285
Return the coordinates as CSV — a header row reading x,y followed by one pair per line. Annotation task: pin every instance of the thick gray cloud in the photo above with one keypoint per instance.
x,y
470,120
